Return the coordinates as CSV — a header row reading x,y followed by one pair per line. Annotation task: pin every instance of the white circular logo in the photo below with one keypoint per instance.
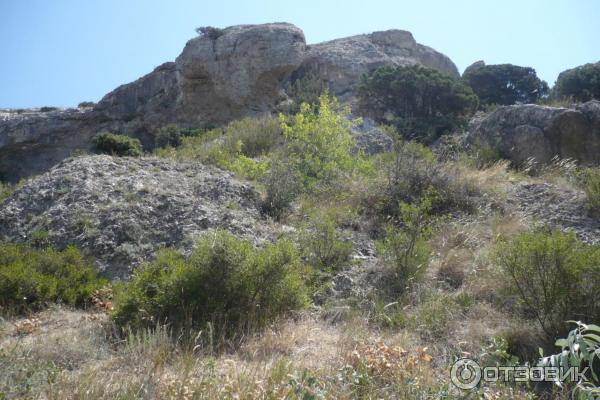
x,y
465,374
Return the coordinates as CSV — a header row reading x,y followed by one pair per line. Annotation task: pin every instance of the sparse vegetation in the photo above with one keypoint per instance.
x,y
589,180
407,259
86,104
31,279
324,246
6,189
210,31
405,249
117,145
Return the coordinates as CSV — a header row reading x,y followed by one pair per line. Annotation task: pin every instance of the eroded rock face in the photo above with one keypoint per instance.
x,y
521,132
239,71
342,62
123,209
31,141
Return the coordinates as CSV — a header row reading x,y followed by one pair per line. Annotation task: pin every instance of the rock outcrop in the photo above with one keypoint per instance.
x,y
122,210
227,74
341,63
521,132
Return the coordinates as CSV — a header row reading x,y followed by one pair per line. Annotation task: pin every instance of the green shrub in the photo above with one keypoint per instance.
x,y
169,135
48,109
404,249
31,278
6,189
420,102
324,246
581,83
117,145
240,147
210,31
589,180
505,84
225,282
86,104
258,136
306,89
555,275
413,173
282,184
319,142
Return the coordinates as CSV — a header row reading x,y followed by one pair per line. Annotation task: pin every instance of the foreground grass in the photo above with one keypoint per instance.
x,y
66,354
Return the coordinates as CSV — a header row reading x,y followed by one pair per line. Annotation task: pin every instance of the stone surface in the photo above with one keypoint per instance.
x,y
122,210
342,62
521,132
371,139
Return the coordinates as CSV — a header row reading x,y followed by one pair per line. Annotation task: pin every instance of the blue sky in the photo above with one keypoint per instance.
x,y
62,52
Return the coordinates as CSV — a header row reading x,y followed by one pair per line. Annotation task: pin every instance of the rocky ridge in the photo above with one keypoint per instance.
x,y
231,73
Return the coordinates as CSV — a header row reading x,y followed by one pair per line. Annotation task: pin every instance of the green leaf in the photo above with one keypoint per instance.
x,y
593,337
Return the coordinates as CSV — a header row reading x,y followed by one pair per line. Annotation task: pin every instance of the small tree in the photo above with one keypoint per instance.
x,y
210,32
405,249
581,83
421,102
319,141
505,84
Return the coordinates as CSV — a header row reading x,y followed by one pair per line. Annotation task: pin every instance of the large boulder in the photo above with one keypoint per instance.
x,y
341,62
523,132
122,210
220,76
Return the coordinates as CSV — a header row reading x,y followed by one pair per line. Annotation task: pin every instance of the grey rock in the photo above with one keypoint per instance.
x,y
122,210
342,62
521,132
558,207
371,139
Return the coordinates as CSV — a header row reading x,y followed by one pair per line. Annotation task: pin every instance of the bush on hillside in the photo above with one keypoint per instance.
x,y
225,282
117,145
555,275
420,102
319,141
404,247
306,89
86,104
589,180
324,246
282,184
30,278
168,136
505,84
6,189
580,84
413,174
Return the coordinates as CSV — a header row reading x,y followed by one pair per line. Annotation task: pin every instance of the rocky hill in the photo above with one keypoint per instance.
x,y
122,209
238,71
